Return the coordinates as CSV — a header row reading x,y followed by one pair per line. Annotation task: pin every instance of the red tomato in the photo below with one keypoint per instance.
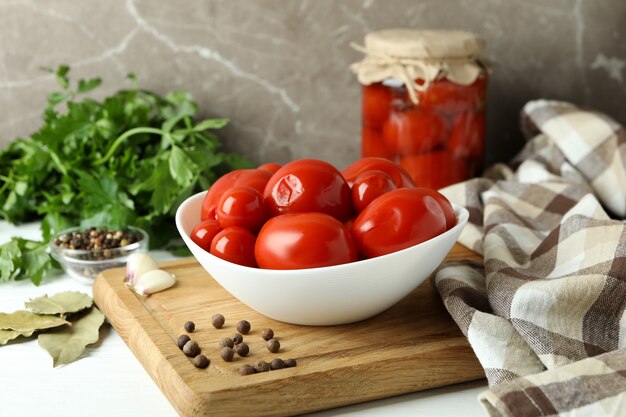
x,y
399,176
448,211
204,233
208,212
304,240
255,178
397,220
436,169
368,186
467,138
478,94
236,245
270,167
372,143
451,98
242,206
308,185
413,131
376,103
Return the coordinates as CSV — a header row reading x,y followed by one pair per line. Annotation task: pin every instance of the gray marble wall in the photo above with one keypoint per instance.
x,y
279,68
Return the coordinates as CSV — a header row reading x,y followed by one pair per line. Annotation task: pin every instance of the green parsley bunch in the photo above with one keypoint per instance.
x,y
129,159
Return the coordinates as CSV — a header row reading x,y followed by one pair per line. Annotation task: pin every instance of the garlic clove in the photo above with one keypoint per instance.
x,y
153,281
137,265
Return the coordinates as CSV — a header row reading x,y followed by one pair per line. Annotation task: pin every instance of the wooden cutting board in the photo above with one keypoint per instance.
x,y
412,346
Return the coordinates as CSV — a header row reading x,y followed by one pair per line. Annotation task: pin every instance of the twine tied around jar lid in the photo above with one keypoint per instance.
x,y
410,55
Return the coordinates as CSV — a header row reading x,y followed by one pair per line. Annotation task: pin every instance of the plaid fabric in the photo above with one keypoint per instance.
x,y
591,387
552,291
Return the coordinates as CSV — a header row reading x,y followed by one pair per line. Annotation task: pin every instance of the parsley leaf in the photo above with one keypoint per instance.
x,y
10,259
181,167
21,258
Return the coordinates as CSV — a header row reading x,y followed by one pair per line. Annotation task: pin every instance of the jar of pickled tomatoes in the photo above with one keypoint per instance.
x,y
423,102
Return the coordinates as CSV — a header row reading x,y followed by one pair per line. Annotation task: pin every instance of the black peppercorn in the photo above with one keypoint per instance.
x,y
97,240
273,345
191,348
227,342
190,326
242,349
217,321
277,363
246,370
201,361
227,354
237,338
243,327
290,363
261,366
267,334
182,339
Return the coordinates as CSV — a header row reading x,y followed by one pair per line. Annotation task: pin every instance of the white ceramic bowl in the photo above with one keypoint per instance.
x,y
323,296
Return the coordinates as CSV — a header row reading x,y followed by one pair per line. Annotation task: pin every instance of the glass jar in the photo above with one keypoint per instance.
x,y
434,128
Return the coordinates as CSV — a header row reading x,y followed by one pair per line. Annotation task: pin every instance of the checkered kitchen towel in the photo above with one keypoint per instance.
x,y
551,295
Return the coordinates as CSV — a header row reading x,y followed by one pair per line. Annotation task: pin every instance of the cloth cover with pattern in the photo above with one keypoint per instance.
x,y
545,312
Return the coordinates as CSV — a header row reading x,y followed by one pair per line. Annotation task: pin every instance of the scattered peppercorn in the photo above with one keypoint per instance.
x,y
98,240
182,339
237,338
191,348
290,363
227,354
267,334
243,327
246,370
218,321
277,363
273,345
242,349
261,366
190,326
227,342
201,361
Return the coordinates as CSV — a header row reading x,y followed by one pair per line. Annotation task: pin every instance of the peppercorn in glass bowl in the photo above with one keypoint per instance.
x,y
85,253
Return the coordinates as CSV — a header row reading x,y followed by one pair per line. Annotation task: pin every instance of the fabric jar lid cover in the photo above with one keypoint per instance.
x,y
409,55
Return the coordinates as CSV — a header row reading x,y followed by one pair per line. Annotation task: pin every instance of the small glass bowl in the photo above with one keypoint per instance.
x,y
85,265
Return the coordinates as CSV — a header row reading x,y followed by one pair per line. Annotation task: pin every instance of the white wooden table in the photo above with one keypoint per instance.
x,y
109,381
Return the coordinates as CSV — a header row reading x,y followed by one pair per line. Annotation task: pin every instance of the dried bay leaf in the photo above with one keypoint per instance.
x,y
7,335
66,344
61,303
27,321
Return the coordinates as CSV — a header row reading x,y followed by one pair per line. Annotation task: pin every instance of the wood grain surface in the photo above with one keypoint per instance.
x,y
412,346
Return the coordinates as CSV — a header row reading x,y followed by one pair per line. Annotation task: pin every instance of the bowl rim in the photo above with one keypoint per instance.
x,y
67,254
462,216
